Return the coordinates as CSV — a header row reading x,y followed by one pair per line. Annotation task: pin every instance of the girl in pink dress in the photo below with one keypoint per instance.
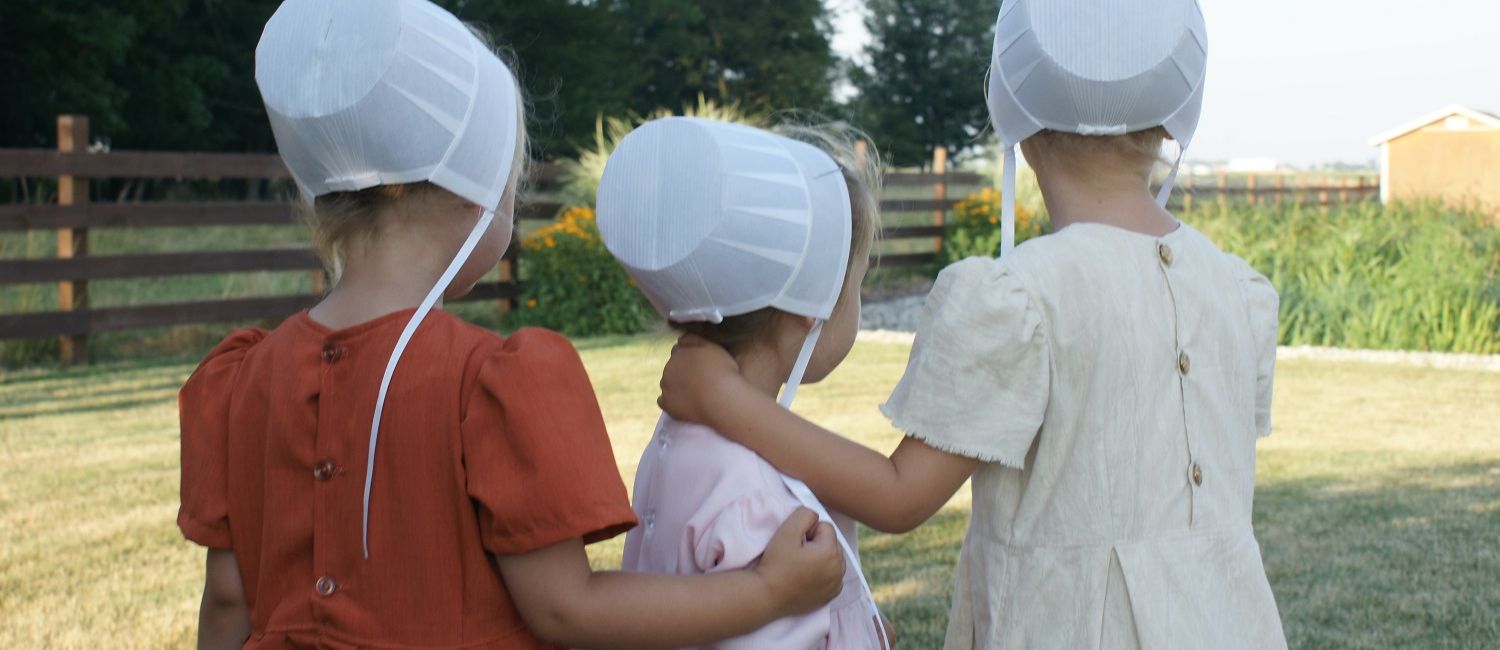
x,y
759,242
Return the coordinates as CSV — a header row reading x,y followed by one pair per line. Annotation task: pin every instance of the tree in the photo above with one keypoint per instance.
x,y
924,86
151,74
180,74
765,55
569,56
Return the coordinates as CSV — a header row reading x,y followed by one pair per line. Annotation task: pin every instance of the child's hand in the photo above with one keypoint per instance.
x,y
698,373
803,566
883,623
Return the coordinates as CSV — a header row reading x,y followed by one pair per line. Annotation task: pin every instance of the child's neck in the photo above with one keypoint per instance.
x,y
381,275
1119,200
763,370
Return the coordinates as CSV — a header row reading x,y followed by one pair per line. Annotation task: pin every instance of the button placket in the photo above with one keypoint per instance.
x,y
1166,257
332,352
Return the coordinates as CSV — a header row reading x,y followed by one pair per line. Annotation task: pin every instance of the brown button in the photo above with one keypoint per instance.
x,y
333,352
1184,363
1165,252
324,470
1197,474
326,586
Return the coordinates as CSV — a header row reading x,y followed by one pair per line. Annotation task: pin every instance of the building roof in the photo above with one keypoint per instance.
x,y
1455,109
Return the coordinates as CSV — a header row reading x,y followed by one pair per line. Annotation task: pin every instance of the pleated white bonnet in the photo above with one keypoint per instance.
x,y
1095,67
376,92
715,220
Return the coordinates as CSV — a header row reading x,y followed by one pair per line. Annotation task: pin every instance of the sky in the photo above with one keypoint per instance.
x,y
1311,81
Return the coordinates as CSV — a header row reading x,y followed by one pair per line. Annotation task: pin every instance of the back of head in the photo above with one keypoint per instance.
x,y
1125,70
1098,67
715,220
362,93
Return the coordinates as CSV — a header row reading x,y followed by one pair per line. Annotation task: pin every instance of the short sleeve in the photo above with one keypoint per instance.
x,y
537,459
977,383
203,414
1264,308
734,538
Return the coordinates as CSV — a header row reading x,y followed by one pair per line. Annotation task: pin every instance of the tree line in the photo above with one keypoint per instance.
x,y
178,74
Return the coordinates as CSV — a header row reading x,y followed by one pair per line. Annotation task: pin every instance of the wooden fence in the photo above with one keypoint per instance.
x,y
916,206
1274,188
74,216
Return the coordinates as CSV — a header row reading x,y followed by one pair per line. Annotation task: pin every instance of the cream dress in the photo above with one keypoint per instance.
x,y
1114,384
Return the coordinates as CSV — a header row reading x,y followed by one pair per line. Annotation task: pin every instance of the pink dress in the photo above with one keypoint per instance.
x,y
708,505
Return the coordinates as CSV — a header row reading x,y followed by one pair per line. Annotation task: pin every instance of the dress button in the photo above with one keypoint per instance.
x,y
650,520
1184,363
1197,475
333,352
1165,252
326,586
324,470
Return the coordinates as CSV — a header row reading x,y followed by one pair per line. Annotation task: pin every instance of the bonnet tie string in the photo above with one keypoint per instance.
x,y
805,494
390,367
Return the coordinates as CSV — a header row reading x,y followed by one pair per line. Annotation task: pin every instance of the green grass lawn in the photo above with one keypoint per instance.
x,y
1378,506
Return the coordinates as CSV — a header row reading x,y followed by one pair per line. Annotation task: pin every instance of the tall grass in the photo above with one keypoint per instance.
x,y
1400,277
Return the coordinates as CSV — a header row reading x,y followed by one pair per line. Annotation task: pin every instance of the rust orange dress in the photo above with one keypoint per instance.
x,y
488,445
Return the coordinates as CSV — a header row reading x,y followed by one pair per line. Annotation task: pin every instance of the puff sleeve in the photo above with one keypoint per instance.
x,y
1264,307
977,382
735,537
537,459
203,413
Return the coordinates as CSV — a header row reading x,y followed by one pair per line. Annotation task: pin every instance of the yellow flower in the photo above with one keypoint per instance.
x,y
531,303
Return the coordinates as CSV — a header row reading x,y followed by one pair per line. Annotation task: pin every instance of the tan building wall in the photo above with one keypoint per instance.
x,y
1438,161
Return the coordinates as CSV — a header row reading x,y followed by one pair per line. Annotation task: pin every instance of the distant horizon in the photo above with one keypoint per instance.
x,y
1310,83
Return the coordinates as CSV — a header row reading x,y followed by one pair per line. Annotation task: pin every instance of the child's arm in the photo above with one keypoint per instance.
x,y
565,602
223,617
702,384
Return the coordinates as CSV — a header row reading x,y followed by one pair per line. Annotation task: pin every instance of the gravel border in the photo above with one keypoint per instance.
x,y
1479,362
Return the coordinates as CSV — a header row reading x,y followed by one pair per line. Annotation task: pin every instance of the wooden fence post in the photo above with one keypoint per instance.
x,y
940,191
1223,188
508,275
1250,185
72,136
1187,193
1323,191
1280,188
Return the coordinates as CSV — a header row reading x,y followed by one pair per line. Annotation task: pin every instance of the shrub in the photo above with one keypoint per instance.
x,y
1403,277
572,284
974,226
580,176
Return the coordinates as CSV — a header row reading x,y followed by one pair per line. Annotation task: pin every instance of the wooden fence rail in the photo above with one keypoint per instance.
x,y
74,216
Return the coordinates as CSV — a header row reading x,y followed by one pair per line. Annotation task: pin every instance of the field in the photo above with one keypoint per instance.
x,y
1378,501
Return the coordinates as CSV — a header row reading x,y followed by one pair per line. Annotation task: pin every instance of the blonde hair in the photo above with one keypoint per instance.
x,y
338,218
1137,150
859,161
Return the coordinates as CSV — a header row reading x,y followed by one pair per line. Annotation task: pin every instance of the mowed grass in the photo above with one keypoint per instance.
x,y
1378,506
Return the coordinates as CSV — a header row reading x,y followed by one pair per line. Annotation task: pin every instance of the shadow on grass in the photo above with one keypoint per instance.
x,y
1398,558
38,374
